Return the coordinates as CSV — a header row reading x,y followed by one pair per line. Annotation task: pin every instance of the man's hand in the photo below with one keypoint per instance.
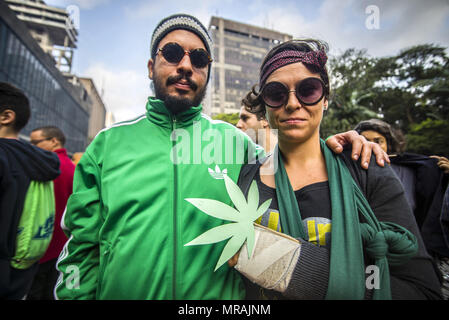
x,y
360,147
443,163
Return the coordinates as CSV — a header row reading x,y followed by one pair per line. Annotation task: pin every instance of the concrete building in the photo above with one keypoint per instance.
x,y
51,27
54,101
110,119
97,115
238,52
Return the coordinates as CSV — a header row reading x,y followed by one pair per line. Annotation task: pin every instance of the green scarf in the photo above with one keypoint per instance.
x,y
386,243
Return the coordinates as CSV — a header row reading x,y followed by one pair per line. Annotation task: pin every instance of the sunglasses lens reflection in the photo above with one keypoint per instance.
x,y
199,58
275,94
172,52
310,91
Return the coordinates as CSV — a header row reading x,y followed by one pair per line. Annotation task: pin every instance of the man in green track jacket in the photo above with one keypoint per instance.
x,y
127,219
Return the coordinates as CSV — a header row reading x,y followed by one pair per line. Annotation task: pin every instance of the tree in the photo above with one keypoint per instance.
x,y
231,118
418,77
410,91
429,137
351,74
342,117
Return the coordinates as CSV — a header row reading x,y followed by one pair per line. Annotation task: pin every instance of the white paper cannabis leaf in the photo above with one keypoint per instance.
x,y
243,216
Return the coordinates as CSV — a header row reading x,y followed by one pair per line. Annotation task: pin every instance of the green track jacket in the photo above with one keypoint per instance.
x,y
127,219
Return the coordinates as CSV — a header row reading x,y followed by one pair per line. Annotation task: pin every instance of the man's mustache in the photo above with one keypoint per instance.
x,y
174,79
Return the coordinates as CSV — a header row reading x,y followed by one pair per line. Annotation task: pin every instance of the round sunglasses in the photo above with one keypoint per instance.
x,y
173,53
308,91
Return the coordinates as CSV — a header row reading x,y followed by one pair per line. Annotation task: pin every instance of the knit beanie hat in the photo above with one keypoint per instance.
x,y
180,21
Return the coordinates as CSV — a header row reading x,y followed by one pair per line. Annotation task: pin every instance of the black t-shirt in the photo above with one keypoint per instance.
x,y
314,206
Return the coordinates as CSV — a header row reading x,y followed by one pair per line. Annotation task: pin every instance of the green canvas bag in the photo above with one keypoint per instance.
x,y
36,225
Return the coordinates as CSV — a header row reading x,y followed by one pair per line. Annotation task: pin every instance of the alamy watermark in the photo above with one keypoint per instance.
x,y
73,277
219,147
372,21
73,20
373,277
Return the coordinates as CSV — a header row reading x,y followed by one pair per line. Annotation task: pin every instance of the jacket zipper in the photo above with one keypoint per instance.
x,y
175,193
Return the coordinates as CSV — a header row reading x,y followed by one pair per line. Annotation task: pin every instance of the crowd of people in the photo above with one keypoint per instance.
x,y
116,227
31,239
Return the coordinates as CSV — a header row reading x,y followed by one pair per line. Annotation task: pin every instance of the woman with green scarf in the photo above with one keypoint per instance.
x,y
357,235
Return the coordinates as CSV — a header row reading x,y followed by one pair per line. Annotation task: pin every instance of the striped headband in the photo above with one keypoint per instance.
x,y
315,58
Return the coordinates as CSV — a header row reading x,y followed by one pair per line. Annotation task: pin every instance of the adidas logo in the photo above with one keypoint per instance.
x,y
217,174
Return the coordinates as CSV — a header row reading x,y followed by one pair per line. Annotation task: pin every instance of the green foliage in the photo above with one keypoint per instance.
x,y
232,118
410,91
429,137
342,118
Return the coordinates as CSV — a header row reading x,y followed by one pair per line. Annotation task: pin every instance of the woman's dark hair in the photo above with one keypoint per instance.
x,y
254,103
250,102
395,138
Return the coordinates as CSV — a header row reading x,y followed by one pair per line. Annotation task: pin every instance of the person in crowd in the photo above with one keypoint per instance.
x,y
26,197
425,181
347,221
52,139
127,219
423,177
257,127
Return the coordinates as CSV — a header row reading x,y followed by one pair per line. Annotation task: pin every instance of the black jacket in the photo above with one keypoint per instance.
x,y
430,185
20,163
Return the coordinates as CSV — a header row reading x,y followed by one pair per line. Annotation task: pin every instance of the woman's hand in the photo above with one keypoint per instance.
x,y
360,147
233,261
443,163
273,259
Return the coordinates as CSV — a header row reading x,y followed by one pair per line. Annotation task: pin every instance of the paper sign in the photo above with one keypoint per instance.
x,y
242,216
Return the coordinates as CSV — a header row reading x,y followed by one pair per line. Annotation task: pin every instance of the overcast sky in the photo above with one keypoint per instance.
x,y
114,35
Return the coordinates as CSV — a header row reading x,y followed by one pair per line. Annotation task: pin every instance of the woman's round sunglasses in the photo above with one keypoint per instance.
x,y
173,53
308,91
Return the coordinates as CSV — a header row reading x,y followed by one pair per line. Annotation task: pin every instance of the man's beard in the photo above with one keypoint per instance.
x,y
177,104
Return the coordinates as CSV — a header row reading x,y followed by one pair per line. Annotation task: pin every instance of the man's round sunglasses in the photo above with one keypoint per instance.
x,y
173,53
308,91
